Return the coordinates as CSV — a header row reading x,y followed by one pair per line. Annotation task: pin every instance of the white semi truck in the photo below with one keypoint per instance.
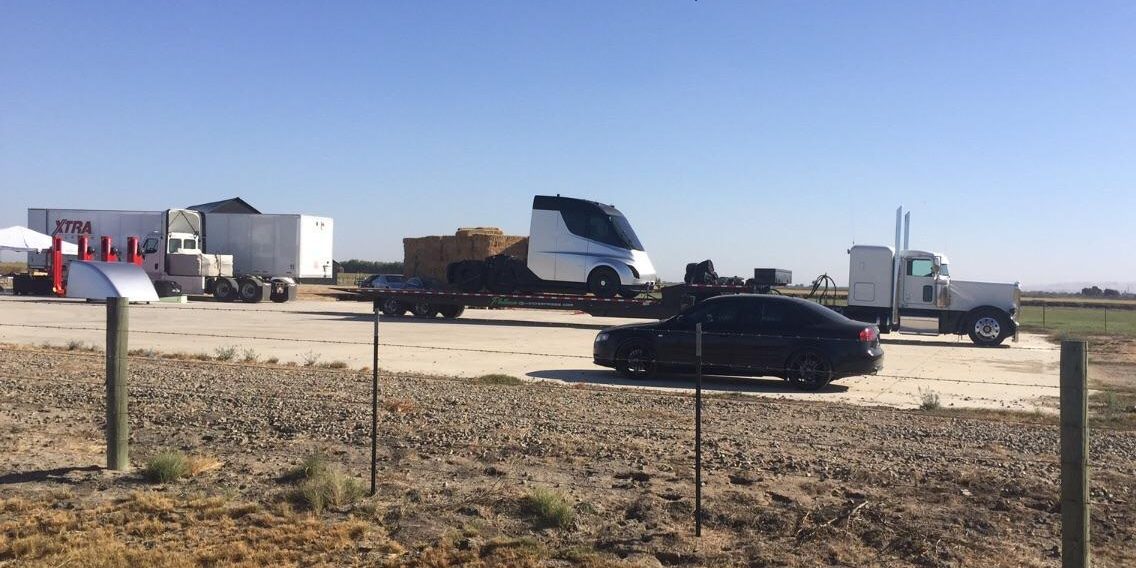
x,y
911,291
574,245
233,256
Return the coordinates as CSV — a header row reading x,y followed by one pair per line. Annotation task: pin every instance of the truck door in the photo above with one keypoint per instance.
x,y
919,313
572,245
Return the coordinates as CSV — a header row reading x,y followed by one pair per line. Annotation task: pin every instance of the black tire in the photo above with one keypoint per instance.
x,y
451,311
423,310
279,292
468,276
809,371
635,360
988,328
225,289
392,307
249,290
503,280
604,282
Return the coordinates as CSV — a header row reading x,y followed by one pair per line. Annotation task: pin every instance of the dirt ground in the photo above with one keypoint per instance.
x,y
786,483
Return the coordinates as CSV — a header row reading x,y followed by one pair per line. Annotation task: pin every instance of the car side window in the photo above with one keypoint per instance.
x,y
717,317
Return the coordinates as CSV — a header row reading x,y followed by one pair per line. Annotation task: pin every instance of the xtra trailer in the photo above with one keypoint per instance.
x,y
247,257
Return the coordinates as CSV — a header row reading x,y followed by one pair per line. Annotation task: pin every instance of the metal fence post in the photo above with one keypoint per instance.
x,y
375,406
1074,455
117,416
698,432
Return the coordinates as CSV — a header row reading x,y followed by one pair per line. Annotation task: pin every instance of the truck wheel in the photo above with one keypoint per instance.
x,y
636,360
392,307
249,289
423,310
809,371
604,282
988,328
468,276
451,311
225,289
502,280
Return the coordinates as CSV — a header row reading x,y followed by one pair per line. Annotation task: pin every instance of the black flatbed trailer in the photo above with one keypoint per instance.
x,y
451,304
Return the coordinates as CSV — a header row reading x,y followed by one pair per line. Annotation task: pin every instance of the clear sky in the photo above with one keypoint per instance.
x,y
753,133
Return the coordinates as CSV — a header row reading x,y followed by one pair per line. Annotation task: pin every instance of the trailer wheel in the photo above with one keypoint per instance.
x,y
249,289
225,289
809,371
423,310
988,328
635,360
604,282
451,311
392,307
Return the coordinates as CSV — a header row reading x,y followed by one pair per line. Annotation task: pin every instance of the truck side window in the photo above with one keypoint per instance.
x,y
150,246
920,267
175,245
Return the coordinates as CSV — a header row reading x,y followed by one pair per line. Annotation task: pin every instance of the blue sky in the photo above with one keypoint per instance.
x,y
752,133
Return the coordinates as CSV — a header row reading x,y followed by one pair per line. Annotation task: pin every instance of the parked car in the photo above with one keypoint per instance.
x,y
802,342
387,281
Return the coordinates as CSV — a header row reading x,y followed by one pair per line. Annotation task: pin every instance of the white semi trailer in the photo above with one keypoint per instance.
x,y
911,291
233,256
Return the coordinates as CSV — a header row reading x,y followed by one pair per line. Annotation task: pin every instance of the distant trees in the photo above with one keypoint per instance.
x,y
370,266
1096,292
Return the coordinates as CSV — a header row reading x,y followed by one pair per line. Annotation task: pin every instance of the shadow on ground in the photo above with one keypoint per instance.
x,y
59,474
752,385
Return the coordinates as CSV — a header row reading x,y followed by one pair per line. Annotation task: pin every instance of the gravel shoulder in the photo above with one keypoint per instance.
x,y
786,482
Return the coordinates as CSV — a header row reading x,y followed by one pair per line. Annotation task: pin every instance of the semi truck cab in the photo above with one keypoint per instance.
x,y
911,291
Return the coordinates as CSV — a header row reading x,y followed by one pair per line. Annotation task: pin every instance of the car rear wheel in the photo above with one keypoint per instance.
x,y
635,360
809,371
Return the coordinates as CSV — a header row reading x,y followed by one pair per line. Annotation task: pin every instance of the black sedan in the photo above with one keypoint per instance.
x,y
748,334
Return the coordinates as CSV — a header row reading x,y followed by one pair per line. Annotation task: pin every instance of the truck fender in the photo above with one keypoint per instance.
x,y
964,321
620,268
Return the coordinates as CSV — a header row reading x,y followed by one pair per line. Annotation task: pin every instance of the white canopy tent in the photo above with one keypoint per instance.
x,y
23,239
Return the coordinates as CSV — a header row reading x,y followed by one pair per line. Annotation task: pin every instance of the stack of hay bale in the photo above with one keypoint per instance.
x,y
428,257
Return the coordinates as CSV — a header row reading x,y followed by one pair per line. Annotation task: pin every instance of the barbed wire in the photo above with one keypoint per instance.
x,y
647,390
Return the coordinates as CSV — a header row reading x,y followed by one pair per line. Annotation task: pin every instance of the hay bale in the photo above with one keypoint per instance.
x,y
428,257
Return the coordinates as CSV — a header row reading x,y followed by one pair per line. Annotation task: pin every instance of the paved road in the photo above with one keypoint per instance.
x,y
539,345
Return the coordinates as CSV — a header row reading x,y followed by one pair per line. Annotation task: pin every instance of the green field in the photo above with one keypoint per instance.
x,y
1079,320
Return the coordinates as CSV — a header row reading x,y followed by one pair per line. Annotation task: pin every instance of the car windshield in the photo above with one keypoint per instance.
x,y
625,232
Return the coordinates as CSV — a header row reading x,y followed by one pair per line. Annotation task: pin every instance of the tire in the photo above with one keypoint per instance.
x,y
451,311
279,292
809,371
468,276
604,282
988,328
502,280
225,289
249,290
423,310
635,360
392,307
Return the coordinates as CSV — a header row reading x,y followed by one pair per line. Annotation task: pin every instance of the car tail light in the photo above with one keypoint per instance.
x,y
869,334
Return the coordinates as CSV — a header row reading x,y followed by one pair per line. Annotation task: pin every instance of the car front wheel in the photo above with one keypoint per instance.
x,y
635,360
809,371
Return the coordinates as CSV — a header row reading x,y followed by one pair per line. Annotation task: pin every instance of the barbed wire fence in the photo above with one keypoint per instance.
x,y
393,436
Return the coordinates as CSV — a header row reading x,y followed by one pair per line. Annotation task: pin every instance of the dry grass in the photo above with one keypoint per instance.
x,y
549,508
320,484
150,529
498,379
399,405
168,466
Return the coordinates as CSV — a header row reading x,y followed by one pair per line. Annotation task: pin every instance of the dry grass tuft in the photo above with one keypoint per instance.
x,y
399,405
320,484
549,508
170,465
498,379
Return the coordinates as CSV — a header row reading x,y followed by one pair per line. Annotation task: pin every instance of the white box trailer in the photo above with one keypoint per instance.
x,y
237,248
296,246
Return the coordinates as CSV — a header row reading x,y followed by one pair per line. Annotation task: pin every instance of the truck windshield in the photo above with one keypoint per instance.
x,y
175,245
625,232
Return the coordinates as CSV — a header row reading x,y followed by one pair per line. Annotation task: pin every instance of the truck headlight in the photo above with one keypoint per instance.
x,y
602,337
